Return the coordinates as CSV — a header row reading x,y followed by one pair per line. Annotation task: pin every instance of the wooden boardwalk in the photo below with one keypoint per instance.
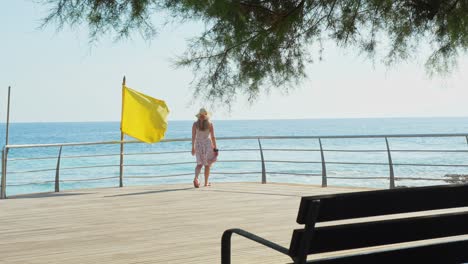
x,y
150,224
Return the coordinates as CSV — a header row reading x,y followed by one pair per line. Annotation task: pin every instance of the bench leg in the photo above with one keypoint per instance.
x,y
309,228
226,247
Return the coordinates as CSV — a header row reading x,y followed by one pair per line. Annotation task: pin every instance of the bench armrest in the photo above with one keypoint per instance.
x,y
226,243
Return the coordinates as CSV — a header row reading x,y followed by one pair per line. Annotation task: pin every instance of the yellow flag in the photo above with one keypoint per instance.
x,y
143,117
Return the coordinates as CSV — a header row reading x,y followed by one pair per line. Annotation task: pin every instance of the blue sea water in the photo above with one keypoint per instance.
x,y
28,174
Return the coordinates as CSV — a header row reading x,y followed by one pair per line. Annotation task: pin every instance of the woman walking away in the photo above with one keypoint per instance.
x,y
203,145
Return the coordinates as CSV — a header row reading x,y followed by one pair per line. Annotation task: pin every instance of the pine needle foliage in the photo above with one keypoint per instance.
x,y
249,46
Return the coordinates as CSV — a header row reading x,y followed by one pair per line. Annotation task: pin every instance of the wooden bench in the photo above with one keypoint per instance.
x,y
376,231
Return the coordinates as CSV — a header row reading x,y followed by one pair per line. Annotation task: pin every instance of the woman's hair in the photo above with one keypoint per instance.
x,y
202,124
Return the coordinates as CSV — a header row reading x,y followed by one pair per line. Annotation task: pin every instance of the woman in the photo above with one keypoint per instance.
x,y
203,145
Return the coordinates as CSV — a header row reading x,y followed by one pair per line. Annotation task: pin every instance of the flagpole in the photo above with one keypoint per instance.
x,y
121,138
5,150
8,117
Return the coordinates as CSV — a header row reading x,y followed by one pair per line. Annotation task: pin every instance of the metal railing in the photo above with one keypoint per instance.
x,y
262,161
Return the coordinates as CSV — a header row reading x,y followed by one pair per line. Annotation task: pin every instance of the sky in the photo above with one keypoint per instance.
x,y
58,76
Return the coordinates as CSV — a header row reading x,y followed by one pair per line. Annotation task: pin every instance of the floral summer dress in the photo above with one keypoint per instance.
x,y
203,148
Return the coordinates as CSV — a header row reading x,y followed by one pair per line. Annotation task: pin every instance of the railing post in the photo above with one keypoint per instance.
x,y
121,159
4,170
263,163
57,172
324,168
466,139
390,164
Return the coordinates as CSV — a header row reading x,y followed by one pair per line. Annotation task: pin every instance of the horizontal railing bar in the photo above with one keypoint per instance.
x,y
159,164
357,136
419,179
397,164
187,174
65,157
95,143
19,172
155,153
357,178
38,158
133,177
293,173
396,150
290,149
67,168
88,167
228,173
371,163
93,179
108,155
246,138
29,183
223,150
356,163
430,165
356,150
298,150
351,136
429,150
270,161
70,180
238,161
291,161
88,156
159,176
70,144
385,178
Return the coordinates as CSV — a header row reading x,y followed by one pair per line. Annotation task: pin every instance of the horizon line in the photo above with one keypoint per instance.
x,y
253,119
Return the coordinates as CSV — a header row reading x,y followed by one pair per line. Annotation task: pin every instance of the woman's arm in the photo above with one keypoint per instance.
x,y
194,132
212,134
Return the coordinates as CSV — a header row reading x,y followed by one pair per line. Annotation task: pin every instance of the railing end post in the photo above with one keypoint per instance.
x,y
57,171
3,180
324,167
390,165
264,181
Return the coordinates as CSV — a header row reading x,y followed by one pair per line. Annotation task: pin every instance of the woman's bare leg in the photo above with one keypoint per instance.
x,y
197,172
207,175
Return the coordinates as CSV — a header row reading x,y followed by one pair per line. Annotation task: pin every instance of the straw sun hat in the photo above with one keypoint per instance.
x,y
203,112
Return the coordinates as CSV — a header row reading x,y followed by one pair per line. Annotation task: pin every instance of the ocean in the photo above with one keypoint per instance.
x,y
28,172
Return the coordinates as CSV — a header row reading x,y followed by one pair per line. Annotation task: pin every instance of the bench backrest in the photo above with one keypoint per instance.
x,y
322,208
